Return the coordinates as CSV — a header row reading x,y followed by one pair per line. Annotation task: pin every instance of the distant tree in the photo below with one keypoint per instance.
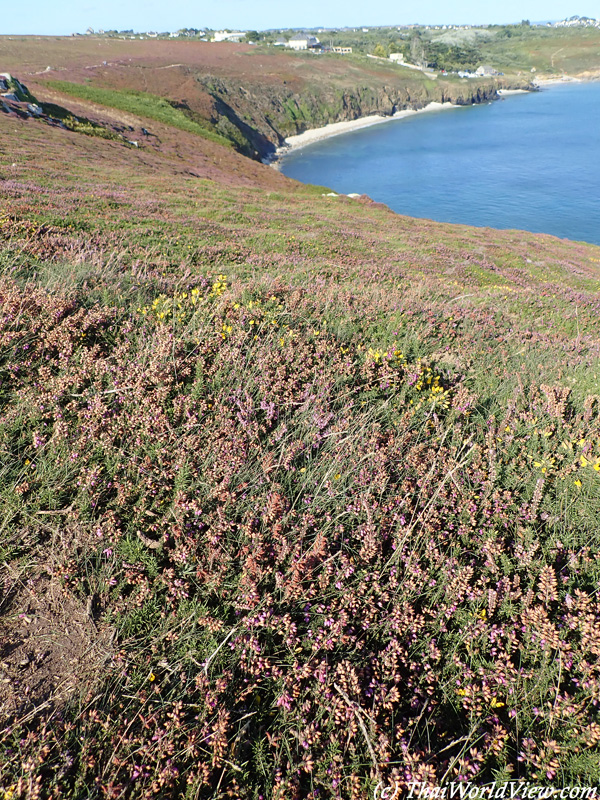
x,y
505,32
380,51
417,49
525,23
253,36
452,57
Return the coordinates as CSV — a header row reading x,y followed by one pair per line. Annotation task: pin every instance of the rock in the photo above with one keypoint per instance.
x,y
34,109
11,96
16,90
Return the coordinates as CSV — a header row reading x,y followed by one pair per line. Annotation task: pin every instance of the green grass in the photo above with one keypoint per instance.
x,y
142,104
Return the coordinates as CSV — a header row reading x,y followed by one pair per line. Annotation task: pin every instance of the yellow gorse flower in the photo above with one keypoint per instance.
x,y
183,304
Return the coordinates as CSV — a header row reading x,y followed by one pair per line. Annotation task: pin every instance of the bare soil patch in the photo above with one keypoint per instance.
x,y
49,645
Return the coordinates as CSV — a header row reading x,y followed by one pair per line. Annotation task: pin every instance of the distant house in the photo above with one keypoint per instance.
x,y
485,70
226,36
342,50
398,58
280,42
301,41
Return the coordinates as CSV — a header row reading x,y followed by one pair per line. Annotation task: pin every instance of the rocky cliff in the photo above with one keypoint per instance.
x,y
258,118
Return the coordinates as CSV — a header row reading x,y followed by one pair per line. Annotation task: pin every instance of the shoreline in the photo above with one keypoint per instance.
x,y
300,140
297,141
541,82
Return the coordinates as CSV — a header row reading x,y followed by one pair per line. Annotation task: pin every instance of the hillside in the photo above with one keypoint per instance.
x,y
299,496
253,97
516,50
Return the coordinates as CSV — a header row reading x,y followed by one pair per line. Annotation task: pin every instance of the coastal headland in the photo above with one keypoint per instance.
x,y
252,98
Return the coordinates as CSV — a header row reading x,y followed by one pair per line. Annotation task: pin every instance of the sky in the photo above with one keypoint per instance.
x,y
59,17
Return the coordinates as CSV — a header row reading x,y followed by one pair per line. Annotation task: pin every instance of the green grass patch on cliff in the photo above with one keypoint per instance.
x,y
142,104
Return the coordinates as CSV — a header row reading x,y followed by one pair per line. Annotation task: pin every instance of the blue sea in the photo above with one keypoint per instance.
x,y
528,161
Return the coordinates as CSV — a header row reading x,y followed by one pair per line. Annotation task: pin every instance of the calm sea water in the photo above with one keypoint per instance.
x,y
529,161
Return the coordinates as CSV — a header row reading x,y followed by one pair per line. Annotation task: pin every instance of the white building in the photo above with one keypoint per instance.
x,y
226,36
485,70
301,41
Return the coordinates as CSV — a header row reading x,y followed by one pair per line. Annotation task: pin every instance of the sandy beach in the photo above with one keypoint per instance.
x,y
555,81
337,128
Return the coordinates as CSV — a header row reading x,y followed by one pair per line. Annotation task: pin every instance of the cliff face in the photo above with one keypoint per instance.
x,y
258,118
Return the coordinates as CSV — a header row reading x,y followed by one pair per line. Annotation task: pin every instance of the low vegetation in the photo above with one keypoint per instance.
x,y
313,486
142,104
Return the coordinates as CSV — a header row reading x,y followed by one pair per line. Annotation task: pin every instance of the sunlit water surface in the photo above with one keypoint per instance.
x,y
528,161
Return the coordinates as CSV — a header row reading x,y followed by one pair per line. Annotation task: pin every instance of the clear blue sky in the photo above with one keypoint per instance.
x,y
68,16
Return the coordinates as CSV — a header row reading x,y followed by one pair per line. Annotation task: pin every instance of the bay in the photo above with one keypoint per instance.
x,y
527,161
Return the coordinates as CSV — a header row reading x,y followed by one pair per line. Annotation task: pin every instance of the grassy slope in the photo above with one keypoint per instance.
x,y
550,51
142,104
285,449
511,49
254,97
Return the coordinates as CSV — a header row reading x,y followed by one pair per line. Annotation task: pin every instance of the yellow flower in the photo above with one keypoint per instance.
x,y
496,703
578,483
152,677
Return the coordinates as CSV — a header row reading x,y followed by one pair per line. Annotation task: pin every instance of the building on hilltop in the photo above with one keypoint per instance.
x,y
280,42
577,22
342,50
226,36
302,41
484,69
